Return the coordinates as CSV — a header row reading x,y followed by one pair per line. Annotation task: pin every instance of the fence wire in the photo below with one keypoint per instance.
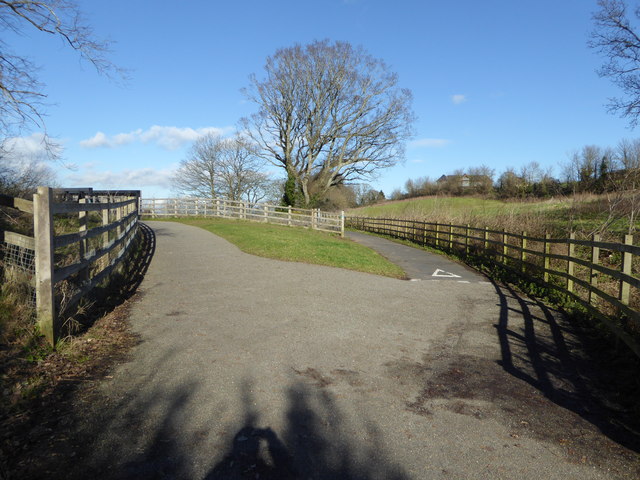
x,y
18,266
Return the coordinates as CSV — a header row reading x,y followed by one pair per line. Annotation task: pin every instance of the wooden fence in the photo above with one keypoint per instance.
x,y
600,276
260,212
80,237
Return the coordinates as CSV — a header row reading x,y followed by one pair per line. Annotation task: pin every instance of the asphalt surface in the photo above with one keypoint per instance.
x,y
418,264
255,368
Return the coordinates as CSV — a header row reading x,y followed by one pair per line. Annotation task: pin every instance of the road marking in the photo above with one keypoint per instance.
x,y
442,273
463,281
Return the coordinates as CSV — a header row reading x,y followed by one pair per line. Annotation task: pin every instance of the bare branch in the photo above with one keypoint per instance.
x,y
615,38
328,113
21,95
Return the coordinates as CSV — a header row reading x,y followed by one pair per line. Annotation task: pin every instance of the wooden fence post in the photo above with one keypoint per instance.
x,y
83,244
437,235
595,260
627,260
450,237
43,233
547,260
105,221
523,254
486,240
505,248
570,263
289,215
466,240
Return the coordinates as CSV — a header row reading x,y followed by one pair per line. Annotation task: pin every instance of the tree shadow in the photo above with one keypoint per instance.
x,y
570,367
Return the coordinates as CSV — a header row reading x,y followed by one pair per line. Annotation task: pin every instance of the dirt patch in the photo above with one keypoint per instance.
x,y
318,379
543,382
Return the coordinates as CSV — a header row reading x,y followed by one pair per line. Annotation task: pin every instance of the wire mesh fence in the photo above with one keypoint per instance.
x,y
18,267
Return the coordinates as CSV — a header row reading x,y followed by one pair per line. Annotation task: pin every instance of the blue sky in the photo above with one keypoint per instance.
x,y
500,82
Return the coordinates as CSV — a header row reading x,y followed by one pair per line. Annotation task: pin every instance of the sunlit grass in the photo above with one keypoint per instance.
x,y
297,244
582,213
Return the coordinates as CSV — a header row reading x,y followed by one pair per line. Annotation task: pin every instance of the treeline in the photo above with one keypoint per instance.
x,y
592,169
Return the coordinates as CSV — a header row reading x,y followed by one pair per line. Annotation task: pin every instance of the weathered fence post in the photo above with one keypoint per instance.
x,y
466,240
547,260
523,254
570,264
289,215
595,260
437,235
450,237
342,223
486,240
43,232
505,248
83,244
627,259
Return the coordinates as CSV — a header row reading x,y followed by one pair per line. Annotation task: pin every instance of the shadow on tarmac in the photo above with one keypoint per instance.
x,y
122,444
570,366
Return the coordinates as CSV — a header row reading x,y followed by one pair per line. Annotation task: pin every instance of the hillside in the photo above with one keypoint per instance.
x,y
584,214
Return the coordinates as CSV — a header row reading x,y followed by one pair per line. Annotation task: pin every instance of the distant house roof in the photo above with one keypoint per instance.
x,y
464,179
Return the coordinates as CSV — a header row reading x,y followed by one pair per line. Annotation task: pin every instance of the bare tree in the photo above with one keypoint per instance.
x,y
623,185
21,102
222,167
482,179
617,40
21,174
328,113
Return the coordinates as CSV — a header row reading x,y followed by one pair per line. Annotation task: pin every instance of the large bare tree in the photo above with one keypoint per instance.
x,y
222,167
618,40
328,113
21,94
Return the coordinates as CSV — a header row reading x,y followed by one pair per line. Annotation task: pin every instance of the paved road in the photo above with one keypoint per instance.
x,y
418,264
255,368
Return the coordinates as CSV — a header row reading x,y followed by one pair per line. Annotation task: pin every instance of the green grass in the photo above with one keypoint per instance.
x,y
297,245
583,213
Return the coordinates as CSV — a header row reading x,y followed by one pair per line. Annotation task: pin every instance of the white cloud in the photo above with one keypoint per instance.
x,y
138,178
169,138
36,145
430,142
458,98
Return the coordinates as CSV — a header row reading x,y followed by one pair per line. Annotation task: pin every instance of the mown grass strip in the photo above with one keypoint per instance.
x,y
297,245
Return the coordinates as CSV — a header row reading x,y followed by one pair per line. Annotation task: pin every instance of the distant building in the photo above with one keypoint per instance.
x,y
464,181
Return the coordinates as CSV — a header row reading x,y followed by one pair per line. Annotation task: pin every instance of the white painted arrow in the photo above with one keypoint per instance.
x,y
442,273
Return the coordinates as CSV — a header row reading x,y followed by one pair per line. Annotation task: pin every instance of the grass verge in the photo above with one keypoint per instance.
x,y
297,245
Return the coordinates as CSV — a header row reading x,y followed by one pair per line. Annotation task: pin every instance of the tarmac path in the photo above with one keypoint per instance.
x,y
255,368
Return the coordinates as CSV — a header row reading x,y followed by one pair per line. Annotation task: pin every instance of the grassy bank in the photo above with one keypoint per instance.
x,y
581,213
297,245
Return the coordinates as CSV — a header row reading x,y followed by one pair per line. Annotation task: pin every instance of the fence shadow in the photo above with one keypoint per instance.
x,y
123,284
557,357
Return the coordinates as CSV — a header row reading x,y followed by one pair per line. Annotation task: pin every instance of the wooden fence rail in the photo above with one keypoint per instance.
x,y
600,276
260,212
69,265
